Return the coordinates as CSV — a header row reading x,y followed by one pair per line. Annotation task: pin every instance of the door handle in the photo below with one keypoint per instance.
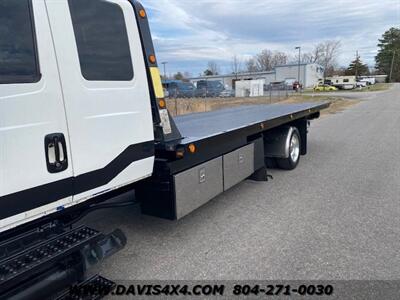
x,y
56,152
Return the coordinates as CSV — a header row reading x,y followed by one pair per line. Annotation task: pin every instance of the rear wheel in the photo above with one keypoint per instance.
x,y
292,161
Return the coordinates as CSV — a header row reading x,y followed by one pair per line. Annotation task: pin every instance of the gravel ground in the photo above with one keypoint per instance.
x,y
335,217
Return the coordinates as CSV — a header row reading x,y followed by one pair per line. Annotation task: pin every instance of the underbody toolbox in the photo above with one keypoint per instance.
x,y
238,165
174,196
197,186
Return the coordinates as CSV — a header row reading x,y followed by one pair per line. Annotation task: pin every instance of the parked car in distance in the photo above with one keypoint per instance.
x,y
209,88
324,88
368,81
297,86
361,84
181,89
288,84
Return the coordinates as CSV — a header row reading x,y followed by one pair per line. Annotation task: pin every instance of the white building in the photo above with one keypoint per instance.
x,y
249,88
309,75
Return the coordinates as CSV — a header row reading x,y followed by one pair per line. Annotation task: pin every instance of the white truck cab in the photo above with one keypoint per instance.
x,y
75,114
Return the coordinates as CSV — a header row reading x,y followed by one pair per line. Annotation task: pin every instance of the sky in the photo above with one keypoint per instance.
x,y
189,33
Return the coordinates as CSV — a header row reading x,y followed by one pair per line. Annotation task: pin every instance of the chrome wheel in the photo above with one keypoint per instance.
x,y
294,148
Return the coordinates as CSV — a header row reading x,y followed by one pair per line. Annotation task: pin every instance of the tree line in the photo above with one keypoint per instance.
x,y
388,57
325,54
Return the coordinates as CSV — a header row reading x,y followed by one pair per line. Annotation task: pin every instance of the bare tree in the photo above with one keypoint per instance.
x,y
305,58
264,60
213,67
267,59
279,58
315,56
325,54
329,57
236,65
317,53
251,65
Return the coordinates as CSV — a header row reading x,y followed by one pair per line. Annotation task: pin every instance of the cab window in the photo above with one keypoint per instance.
x,y
18,56
102,40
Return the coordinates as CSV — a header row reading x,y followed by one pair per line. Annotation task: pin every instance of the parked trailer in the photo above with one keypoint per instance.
x,y
343,82
83,120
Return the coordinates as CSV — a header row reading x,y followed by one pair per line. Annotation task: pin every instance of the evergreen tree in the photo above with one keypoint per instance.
x,y
388,58
357,68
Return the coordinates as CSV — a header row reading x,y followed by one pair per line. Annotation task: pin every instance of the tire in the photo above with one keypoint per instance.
x,y
292,161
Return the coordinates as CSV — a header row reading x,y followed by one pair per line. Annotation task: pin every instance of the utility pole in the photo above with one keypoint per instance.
x,y
391,66
165,72
356,64
298,71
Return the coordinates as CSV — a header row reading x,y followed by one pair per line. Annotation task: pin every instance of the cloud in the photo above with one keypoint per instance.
x,y
188,33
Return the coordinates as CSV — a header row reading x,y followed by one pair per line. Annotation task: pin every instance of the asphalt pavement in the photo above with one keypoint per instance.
x,y
337,216
352,94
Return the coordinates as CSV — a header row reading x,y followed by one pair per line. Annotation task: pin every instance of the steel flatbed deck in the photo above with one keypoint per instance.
x,y
198,127
217,132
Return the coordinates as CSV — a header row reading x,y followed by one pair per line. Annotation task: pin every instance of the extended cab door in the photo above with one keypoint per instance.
x,y
106,93
35,168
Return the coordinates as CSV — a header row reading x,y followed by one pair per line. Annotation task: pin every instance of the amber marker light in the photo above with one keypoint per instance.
x,y
192,148
152,59
161,103
142,13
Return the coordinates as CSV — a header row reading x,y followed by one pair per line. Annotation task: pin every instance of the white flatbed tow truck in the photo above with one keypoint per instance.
x,y
83,120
